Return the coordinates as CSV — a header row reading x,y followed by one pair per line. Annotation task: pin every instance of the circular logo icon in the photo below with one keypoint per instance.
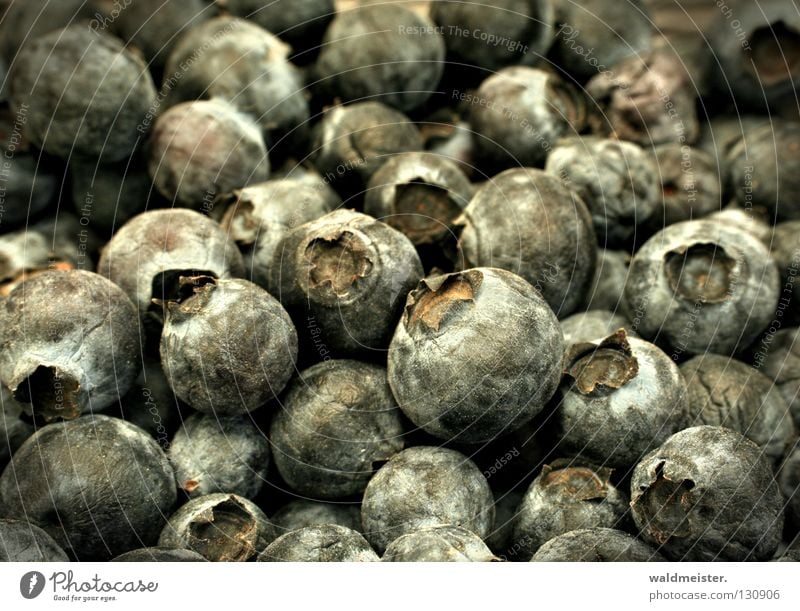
x,y
31,584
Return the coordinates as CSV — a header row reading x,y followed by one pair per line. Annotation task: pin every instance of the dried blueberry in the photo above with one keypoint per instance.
x,y
452,382
337,422
114,488
708,494
425,486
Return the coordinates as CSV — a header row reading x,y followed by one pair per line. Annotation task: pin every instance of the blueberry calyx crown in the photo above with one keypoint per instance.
x,y
600,368
664,504
437,299
701,272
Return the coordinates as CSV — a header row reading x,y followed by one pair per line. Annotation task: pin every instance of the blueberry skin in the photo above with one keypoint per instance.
x,y
765,168
321,543
219,454
201,149
616,180
608,287
476,355
63,77
596,545
750,221
22,541
148,254
301,513
228,348
620,398
593,324
159,554
690,184
529,23
648,98
261,215
708,494
269,89
726,392
566,496
344,279
608,31
779,358
789,482
220,527
382,51
154,27
702,286
13,429
786,252
302,24
337,420
99,486
518,114
528,222
439,544
422,487
80,352
351,142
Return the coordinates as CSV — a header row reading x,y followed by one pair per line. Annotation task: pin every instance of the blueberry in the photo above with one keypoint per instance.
x,y
751,221
301,513
301,24
227,346
596,35
726,392
80,352
425,486
261,215
106,196
337,422
708,494
757,66
519,113
351,142
592,325
422,195
608,286
320,543
219,454
596,545
566,496
384,51
344,278
702,286
439,544
148,254
159,554
789,482
785,249
690,185
21,541
248,67
530,223
721,133
779,357
154,26
617,180
765,168
620,398
220,527
648,98
69,75
523,30
452,382
14,430
114,486
204,149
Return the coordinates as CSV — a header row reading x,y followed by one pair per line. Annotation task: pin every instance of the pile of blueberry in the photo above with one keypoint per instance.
x,y
288,281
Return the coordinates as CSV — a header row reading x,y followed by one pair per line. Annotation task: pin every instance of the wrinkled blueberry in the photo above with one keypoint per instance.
x,y
708,494
337,423
425,486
